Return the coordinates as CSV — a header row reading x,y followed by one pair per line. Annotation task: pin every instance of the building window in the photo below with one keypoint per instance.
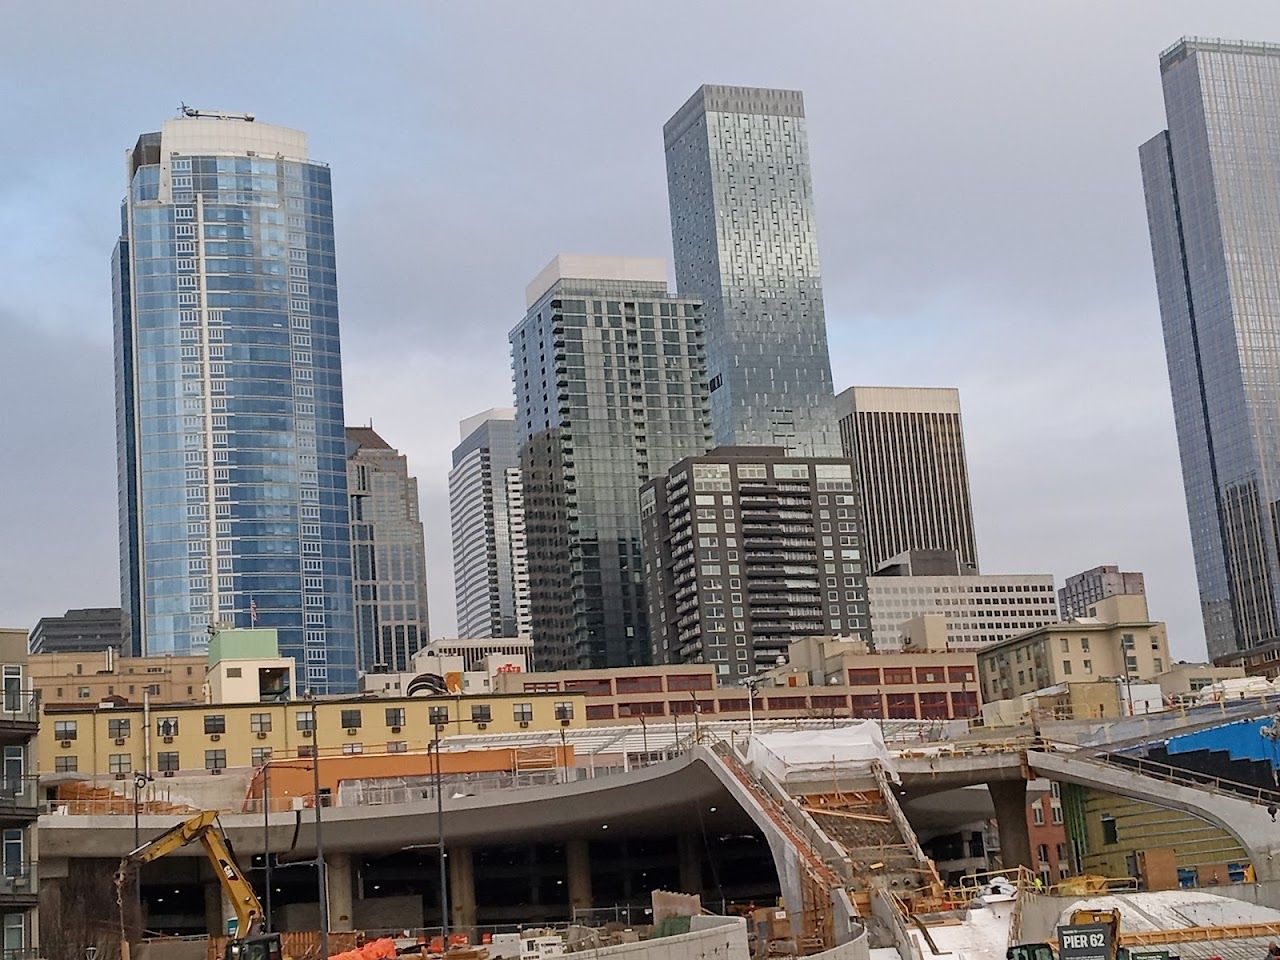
x,y
259,755
397,746
1126,641
13,859
65,764
1055,813
481,713
1088,666
215,723
215,759
1109,832
438,716
306,750
395,716
522,712
352,748
1066,667
167,726
866,676
119,763
167,762
118,728
259,723
306,720
564,711
351,719
1037,815
897,675
64,730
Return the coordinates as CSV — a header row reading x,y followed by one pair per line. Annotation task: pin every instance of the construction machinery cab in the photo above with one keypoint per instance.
x,y
264,947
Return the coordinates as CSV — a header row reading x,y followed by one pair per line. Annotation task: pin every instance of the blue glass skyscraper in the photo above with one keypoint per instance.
x,y
230,441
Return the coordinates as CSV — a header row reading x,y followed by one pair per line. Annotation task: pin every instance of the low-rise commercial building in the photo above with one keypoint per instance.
x,y
1118,640
1186,679
979,609
112,741
84,677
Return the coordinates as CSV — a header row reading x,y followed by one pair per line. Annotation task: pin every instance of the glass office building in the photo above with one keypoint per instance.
x,y
231,448
610,387
1212,183
742,226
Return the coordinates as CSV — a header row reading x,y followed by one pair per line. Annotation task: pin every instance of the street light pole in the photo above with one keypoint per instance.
x,y
322,878
266,841
751,683
140,781
444,877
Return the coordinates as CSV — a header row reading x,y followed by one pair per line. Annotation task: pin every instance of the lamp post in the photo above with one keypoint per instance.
x,y
697,709
140,781
322,878
751,683
644,737
444,877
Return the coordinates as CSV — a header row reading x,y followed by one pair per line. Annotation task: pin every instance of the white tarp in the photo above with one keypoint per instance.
x,y
847,751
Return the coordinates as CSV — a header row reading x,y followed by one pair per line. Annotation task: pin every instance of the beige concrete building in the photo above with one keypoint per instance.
x,y
91,677
1185,679
19,880
1117,640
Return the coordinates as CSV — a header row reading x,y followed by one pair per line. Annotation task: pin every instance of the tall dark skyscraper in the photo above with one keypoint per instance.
x,y
610,387
388,553
908,446
1212,184
742,226
230,439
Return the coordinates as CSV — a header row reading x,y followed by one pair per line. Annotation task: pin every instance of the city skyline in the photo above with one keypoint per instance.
x,y
863,318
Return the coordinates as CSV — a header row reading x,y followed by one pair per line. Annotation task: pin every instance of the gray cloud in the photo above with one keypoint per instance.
x,y
980,219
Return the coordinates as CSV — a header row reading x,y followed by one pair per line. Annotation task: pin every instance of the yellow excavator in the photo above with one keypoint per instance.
x,y
249,942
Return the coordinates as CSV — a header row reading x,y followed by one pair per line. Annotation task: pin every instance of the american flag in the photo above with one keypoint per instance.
x,y
253,612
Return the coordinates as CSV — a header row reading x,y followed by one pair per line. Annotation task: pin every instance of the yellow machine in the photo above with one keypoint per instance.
x,y
1042,951
249,943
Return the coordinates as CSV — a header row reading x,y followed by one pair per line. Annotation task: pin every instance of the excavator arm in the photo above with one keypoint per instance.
x,y
204,827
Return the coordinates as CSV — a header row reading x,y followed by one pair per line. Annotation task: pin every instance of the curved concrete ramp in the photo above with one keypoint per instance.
x,y
1248,822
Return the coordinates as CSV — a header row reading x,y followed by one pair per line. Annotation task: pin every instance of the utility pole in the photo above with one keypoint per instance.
x,y
266,841
322,879
444,875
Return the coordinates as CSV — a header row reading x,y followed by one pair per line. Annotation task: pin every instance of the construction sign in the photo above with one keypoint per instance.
x,y
1085,941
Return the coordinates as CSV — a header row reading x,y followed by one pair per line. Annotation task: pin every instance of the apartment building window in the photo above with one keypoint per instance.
x,y
167,762
64,730
395,716
1109,832
1066,667
306,720
522,712
66,765
1084,644
119,763
167,726
352,748
897,675
13,854
397,746
306,750
1126,641
1088,666
215,723
1042,853
1155,643
351,719
118,728
1037,814
259,723
1055,813
259,755
481,713
564,711
215,759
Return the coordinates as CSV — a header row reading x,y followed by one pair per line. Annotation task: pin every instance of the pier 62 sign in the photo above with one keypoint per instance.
x,y
1084,941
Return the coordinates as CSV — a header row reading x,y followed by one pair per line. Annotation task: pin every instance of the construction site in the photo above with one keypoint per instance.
x,y
734,840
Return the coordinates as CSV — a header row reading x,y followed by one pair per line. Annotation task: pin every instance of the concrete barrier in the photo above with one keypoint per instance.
x,y
709,938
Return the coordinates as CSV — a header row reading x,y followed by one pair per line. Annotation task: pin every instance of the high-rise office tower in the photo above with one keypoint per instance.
x,y
908,446
486,512
742,225
611,389
1212,205
747,549
388,554
230,443
1085,589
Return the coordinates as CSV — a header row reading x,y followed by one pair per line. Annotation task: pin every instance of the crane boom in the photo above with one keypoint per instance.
x,y
204,827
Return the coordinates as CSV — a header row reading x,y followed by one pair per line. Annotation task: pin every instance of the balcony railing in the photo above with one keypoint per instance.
x,y
20,708
18,792
18,879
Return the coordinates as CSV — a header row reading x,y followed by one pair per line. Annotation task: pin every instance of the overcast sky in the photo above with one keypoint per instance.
x,y
980,219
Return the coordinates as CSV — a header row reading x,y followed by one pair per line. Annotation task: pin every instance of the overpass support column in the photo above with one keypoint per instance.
x,y
578,861
1009,797
341,908
690,851
462,888
218,910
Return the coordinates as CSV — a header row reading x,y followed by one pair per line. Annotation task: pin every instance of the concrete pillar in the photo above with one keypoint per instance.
x,y
578,863
1009,797
339,878
462,888
218,910
690,851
